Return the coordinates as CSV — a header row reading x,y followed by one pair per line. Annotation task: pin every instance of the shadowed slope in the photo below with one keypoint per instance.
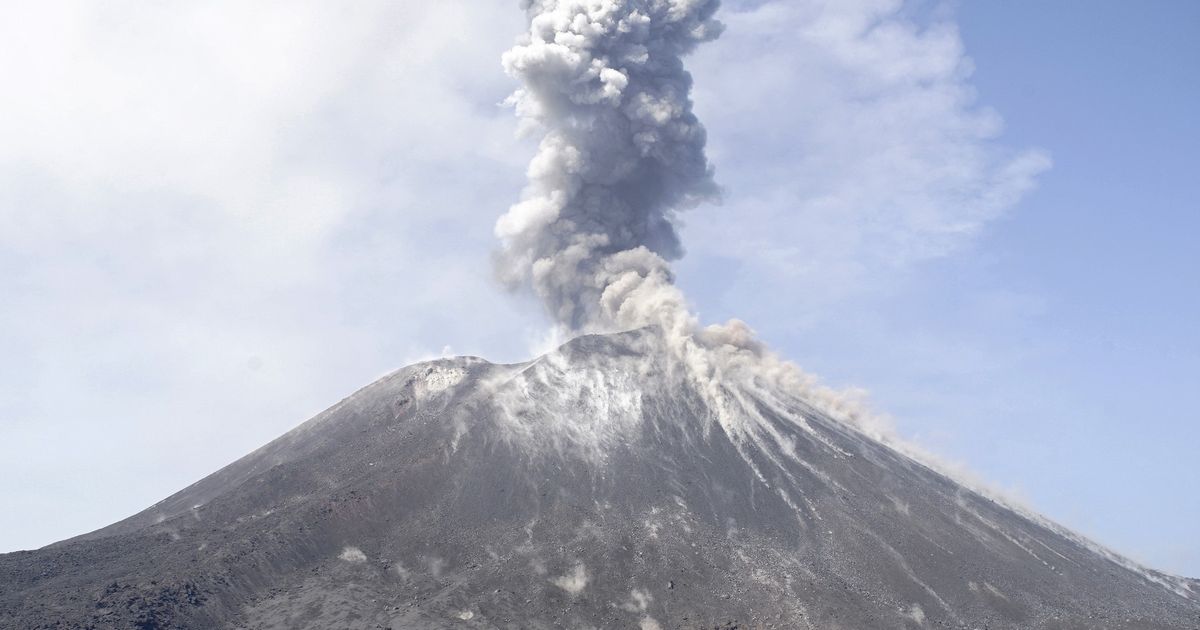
x,y
592,487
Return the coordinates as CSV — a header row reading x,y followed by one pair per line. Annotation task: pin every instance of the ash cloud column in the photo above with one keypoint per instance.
x,y
621,153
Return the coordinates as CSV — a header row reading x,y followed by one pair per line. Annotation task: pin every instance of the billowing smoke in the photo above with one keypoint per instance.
x,y
622,153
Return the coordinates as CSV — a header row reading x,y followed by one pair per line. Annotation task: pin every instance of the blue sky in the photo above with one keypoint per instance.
x,y
1111,89
981,213
1058,354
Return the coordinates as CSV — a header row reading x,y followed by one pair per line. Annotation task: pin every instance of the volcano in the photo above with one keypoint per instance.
x,y
593,487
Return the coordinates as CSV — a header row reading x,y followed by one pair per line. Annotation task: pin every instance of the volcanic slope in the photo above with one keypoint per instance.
x,y
594,487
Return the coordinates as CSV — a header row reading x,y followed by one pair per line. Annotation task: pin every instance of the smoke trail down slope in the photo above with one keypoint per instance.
x,y
593,236
610,500
621,154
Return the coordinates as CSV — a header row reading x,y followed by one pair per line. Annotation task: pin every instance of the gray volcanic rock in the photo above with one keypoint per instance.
x,y
591,488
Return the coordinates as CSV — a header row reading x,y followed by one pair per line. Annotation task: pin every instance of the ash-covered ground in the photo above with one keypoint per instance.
x,y
594,487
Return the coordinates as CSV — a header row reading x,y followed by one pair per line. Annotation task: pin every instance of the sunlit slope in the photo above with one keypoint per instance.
x,y
592,487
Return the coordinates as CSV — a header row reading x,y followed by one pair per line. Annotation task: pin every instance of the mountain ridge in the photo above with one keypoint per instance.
x,y
594,486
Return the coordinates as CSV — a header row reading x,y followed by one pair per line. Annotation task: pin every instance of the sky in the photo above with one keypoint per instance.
x,y
217,220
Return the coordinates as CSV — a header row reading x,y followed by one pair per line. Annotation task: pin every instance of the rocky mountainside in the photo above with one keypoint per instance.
x,y
594,487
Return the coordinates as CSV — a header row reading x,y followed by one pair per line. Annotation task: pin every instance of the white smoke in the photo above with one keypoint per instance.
x,y
621,154
593,236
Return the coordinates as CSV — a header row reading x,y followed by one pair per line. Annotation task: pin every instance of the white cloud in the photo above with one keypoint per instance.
x,y
217,218
852,147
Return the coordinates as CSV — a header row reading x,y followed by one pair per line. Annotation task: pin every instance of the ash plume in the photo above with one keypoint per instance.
x,y
621,154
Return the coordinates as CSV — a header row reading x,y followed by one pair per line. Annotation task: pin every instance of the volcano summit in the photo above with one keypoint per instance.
x,y
669,476
597,486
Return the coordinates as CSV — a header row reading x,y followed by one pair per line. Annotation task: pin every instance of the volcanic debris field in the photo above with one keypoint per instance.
x,y
594,487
